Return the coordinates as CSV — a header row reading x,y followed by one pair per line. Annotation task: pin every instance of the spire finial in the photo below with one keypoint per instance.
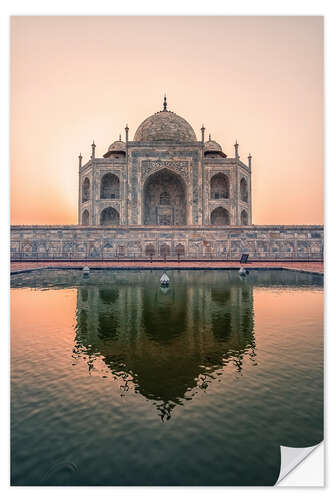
x,y
236,149
209,137
165,103
203,134
93,147
250,160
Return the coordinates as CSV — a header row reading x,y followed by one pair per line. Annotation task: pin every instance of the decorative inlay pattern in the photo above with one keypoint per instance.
x,y
151,166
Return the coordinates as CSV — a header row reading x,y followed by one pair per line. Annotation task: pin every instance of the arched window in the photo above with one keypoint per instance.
x,y
164,250
244,218
149,250
109,217
164,198
180,249
110,187
220,217
219,186
243,190
85,218
85,190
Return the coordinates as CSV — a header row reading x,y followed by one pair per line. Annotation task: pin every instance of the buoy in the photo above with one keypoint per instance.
x,y
164,280
86,271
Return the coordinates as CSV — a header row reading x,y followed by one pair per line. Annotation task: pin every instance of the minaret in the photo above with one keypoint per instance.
x,y
203,207
236,193
80,190
93,183
250,188
126,176
93,147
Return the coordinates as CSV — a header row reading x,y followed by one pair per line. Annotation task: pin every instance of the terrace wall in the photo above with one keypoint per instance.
x,y
142,242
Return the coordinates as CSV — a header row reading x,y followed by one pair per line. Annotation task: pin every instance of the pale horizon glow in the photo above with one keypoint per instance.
x,y
255,79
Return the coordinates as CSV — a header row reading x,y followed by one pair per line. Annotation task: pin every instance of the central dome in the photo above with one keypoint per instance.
x,y
165,126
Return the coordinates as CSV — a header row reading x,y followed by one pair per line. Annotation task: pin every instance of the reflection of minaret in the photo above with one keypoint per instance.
x,y
166,342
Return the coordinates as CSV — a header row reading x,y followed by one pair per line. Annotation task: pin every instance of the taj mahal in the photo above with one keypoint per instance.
x,y
165,176
165,194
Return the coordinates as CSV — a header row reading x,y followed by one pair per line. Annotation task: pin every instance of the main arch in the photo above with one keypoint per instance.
x,y
164,199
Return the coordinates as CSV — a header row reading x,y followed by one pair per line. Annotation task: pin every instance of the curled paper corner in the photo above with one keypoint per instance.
x,y
291,458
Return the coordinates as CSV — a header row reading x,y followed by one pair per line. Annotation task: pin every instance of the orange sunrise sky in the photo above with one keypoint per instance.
x,y
255,79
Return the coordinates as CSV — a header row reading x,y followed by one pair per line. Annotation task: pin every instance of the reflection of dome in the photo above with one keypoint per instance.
x,y
213,147
116,147
165,126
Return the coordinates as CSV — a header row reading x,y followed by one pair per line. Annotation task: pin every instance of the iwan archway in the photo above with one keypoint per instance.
x,y
164,199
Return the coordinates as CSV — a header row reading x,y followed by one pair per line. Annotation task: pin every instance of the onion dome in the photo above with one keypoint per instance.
x,y
165,126
115,148
213,148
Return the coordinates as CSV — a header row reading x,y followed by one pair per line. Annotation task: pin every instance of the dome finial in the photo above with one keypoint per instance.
x,y
165,103
209,137
120,137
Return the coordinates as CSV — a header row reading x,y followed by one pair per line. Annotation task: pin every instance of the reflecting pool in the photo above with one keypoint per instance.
x,y
116,381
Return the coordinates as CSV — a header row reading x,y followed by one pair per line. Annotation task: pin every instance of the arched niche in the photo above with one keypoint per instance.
x,y
219,186
220,217
109,217
244,218
149,250
110,187
164,250
244,190
86,190
85,218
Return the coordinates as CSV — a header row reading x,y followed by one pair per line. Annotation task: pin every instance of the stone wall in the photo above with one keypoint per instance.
x,y
224,242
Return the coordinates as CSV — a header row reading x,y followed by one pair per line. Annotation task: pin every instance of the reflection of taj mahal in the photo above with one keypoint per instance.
x,y
166,340
165,177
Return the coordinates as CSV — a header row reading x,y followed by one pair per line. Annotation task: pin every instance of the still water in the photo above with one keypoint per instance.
x,y
115,381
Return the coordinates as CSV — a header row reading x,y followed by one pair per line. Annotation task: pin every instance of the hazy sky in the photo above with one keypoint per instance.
x,y
257,79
